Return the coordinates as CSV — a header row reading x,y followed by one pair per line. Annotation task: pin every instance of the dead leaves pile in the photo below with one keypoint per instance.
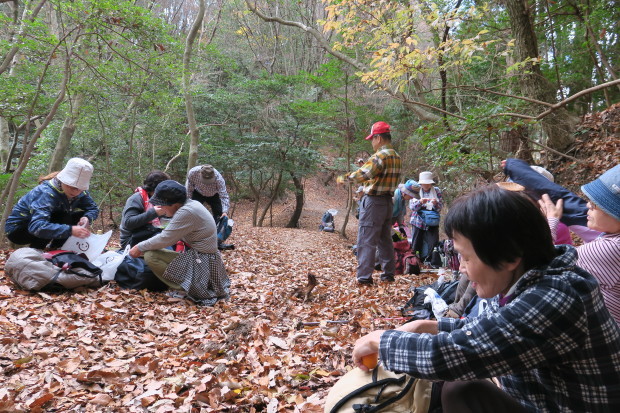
x,y
263,350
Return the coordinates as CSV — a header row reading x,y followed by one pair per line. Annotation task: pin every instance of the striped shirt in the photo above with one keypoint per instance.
x,y
194,182
601,258
554,347
380,173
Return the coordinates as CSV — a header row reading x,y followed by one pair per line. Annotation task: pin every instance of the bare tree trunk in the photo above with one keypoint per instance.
x,y
9,192
299,203
5,143
28,15
66,133
272,198
189,106
559,125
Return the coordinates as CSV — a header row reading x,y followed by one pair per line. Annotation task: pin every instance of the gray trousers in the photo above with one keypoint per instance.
x,y
375,235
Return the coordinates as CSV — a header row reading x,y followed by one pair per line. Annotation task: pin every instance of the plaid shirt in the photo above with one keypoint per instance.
x,y
380,173
415,206
554,347
194,182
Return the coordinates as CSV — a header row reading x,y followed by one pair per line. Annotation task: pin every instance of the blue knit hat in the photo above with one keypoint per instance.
x,y
605,192
411,188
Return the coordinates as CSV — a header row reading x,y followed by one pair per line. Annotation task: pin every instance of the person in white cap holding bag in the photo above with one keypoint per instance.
x,y
55,209
425,216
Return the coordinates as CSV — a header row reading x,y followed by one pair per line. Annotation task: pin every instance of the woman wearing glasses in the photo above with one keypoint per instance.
x,y
600,257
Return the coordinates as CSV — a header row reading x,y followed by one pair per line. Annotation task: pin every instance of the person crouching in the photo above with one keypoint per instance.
x,y
198,271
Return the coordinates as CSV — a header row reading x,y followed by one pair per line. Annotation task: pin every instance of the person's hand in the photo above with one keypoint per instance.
x,y
423,200
79,231
84,222
135,252
549,209
434,201
369,344
225,214
420,326
159,210
503,163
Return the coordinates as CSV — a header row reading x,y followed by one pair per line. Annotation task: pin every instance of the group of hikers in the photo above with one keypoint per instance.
x,y
549,335
182,252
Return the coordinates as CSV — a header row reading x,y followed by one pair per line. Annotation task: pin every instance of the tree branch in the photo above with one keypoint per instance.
x,y
424,115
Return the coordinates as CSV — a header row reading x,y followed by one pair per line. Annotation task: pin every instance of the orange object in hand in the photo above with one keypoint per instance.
x,y
370,360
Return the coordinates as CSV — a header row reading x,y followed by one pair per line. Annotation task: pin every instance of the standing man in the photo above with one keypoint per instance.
x,y
206,185
380,175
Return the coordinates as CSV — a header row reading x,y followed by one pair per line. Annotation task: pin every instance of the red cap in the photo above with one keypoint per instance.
x,y
379,127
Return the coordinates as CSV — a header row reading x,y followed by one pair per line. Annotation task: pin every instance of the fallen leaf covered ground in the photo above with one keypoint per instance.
x,y
263,350
267,349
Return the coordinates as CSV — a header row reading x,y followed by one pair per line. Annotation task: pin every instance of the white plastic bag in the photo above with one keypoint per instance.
x,y
92,246
109,262
438,303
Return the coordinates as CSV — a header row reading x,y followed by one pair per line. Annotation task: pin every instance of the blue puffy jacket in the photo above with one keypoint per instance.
x,y
34,211
575,208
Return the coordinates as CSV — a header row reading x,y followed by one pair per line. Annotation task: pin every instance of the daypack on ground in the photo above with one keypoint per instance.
x,y
327,222
418,310
133,273
406,262
30,270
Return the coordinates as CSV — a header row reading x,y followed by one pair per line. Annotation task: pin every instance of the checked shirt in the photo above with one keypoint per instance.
x,y
554,347
380,173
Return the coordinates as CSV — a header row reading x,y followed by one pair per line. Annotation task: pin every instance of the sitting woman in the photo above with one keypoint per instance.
x,y
140,219
198,271
600,257
56,209
547,335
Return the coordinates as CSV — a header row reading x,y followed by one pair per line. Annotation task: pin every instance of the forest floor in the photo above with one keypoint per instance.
x,y
265,349
123,350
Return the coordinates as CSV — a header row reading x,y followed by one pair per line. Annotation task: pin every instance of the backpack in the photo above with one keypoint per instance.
x,y
418,310
31,270
406,262
430,217
400,249
133,273
452,258
327,222
224,228
379,391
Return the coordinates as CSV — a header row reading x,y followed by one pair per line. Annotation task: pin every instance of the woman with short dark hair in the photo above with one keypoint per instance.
x,y
140,220
546,335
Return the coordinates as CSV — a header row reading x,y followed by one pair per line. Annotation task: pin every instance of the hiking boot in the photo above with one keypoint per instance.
x,y
223,246
387,278
364,282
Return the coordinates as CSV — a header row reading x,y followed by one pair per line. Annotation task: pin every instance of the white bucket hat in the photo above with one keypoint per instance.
x,y
76,173
426,177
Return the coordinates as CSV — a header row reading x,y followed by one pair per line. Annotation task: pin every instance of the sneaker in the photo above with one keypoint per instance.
x,y
364,282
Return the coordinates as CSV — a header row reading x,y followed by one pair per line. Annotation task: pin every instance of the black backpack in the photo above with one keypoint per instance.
x,y
134,274
418,310
73,263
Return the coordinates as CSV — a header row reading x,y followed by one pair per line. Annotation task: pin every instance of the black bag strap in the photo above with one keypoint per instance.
x,y
383,383
53,279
